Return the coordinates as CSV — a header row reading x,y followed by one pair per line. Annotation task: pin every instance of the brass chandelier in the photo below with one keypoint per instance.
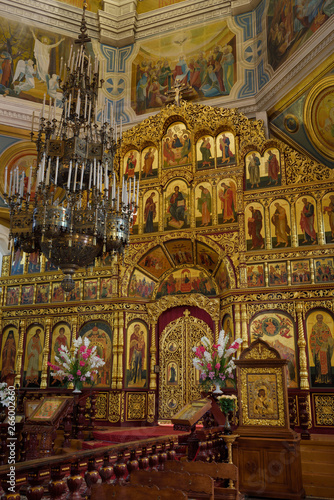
x,y
79,209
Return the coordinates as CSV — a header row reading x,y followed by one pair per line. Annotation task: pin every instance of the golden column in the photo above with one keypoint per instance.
x,y
244,326
304,382
214,202
115,351
267,225
153,353
44,377
120,350
22,329
294,234
321,229
140,212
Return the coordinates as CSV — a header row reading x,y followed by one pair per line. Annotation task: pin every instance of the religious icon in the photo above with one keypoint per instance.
x,y
301,272
12,296
149,163
172,346
151,212
328,209
17,262
227,193
324,270
206,257
320,327
131,164
222,277
33,357
255,275
90,289
75,293
254,227
99,335
205,153
136,370
172,373
57,293
176,203
177,146
34,265
10,339
228,328
141,285
61,337
27,294
42,293
307,221
181,251
280,214
106,288
278,274
263,401
203,212
273,166
225,148
155,262
253,167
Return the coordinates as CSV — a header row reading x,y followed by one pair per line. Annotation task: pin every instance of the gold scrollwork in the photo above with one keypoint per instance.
x,y
136,406
114,408
208,304
323,409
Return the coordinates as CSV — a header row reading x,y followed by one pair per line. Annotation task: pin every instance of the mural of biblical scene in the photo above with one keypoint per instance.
x,y
100,335
34,263
280,223
225,147
33,61
106,288
186,280
155,262
151,211
227,326
136,355
263,171
278,274
222,277
306,221
75,293
176,146
149,163
320,344
201,57
58,294
17,262
172,373
300,272
90,290
61,336
9,348
290,23
49,266
227,197
12,296
206,257
203,204
141,286
176,213
205,152
42,293
278,331
323,270
328,210
255,275
254,220
27,296
181,251
131,164
33,357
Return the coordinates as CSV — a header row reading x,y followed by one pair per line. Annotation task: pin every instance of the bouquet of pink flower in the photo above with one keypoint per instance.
x,y
79,368
215,362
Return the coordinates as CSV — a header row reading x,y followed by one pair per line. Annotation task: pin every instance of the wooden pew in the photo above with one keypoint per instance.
x,y
218,471
195,485
135,492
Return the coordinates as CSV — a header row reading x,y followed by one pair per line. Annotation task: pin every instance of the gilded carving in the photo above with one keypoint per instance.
x,y
101,405
210,305
260,352
136,406
324,409
150,407
114,407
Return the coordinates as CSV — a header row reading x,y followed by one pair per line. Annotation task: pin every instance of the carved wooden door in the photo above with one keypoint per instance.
x,y
178,379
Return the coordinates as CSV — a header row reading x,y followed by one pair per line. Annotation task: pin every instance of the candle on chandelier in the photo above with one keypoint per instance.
x,y
43,108
69,176
32,122
69,59
82,174
6,170
29,181
10,183
57,167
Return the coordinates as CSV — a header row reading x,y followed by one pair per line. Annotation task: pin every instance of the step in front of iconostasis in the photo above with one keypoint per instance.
x,y
317,457
111,435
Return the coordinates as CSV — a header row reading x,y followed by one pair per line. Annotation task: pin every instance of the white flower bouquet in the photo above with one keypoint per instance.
x,y
79,368
216,362
4,395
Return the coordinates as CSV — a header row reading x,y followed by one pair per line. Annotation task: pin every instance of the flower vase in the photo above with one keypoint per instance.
x,y
77,388
217,390
227,426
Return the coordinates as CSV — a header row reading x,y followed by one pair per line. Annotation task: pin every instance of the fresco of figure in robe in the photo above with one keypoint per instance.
x,y
227,199
33,357
280,223
225,147
176,205
203,204
328,215
176,146
205,152
151,211
320,337
254,229
149,163
136,355
9,351
263,171
306,221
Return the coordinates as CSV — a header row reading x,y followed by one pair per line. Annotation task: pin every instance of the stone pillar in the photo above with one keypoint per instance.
x,y
304,382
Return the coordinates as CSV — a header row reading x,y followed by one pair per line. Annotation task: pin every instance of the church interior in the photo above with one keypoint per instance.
x,y
166,173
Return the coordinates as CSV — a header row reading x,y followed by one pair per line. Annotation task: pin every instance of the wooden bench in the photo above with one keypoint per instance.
x,y
195,485
134,492
219,472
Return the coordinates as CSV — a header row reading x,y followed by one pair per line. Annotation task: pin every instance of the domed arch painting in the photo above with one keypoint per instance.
x,y
187,280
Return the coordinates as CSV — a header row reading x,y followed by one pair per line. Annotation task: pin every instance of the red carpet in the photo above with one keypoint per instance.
x,y
91,445
125,435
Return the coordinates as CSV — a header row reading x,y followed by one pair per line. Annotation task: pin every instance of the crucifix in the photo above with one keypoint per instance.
x,y
177,90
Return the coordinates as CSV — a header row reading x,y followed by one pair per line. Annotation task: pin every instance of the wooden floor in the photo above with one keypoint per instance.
x,y
318,466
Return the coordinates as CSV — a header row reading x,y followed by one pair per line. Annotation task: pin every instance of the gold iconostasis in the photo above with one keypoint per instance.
x,y
232,230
